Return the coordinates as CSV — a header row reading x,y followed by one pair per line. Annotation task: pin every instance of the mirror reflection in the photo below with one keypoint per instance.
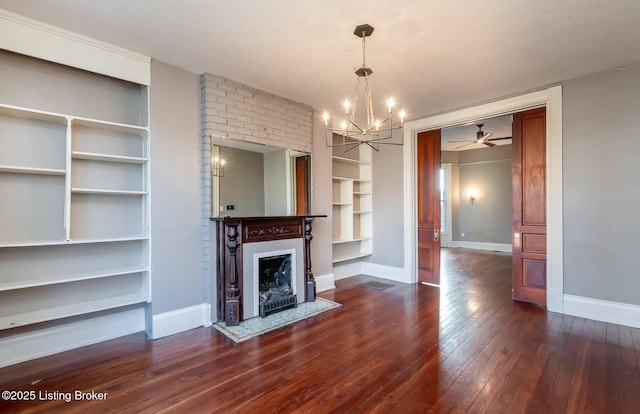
x,y
251,180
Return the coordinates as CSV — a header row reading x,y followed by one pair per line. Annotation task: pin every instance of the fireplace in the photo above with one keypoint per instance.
x,y
275,281
238,239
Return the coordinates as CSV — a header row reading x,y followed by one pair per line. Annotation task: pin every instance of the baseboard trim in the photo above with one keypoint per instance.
x,y
180,320
347,270
397,274
47,341
602,310
495,247
325,282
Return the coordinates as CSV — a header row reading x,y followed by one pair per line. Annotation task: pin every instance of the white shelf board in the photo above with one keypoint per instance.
x,y
358,255
23,284
30,170
342,204
359,180
77,190
44,243
361,193
19,112
355,239
109,126
80,155
43,315
361,212
109,240
349,160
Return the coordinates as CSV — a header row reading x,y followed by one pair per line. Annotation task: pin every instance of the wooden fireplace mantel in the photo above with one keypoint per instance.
x,y
232,232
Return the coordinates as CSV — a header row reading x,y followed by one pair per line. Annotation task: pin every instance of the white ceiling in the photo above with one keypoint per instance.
x,y
432,56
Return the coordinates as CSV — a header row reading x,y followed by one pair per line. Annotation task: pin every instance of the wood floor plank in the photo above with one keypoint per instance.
x,y
597,370
614,388
514,389
630,370
463,347
576,402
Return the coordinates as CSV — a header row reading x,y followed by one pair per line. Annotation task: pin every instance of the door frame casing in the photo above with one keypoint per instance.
x,y
446,238
551,98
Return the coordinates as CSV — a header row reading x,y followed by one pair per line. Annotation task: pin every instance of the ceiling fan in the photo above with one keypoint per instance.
x,y
481,138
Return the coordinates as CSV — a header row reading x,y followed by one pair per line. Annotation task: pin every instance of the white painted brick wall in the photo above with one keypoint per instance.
x,y
240,112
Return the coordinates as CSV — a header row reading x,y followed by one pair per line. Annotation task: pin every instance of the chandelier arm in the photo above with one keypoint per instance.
x,y
354,147
372,147
350,141
344,144
389,143
379,140
362,131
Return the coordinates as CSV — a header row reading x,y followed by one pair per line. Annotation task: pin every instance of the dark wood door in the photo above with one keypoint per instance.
x,y
302,185
529,226
428,166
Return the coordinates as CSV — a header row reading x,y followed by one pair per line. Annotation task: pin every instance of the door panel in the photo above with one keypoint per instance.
x,y
529,250
534,273
534,243
428,166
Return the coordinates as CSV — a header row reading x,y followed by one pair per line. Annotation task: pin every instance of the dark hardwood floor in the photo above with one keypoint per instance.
x,y
466,347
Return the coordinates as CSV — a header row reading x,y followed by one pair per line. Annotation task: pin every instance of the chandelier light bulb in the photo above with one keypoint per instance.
x,y
325,117
346,105
377,124
343,124
390,103
403,114
222,162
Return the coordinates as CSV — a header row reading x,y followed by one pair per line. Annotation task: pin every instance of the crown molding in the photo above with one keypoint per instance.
x,y
43,41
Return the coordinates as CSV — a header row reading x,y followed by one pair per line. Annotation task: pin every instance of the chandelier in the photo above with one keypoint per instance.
x,y
352,131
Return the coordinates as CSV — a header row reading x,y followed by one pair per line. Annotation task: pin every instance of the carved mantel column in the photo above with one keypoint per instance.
x,y
310,293
232,295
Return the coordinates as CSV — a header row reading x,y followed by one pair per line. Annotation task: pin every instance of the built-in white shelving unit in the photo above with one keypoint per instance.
x,y
74,225
352,204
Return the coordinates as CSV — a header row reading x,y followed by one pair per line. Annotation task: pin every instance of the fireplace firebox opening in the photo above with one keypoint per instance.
x,y
274,284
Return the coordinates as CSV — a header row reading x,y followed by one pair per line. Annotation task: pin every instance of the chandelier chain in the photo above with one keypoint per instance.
x,y
364,49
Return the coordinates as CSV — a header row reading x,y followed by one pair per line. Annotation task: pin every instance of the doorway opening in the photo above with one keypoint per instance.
x,y
475,193
550,98
475,186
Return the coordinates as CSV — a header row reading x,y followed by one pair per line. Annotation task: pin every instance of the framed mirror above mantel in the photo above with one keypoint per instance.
x,y
253,180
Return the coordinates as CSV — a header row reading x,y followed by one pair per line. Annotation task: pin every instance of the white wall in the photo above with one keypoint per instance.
x,y
488,219
601,181
176,255
388,207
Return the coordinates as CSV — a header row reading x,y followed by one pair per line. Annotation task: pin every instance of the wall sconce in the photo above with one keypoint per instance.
x,y
217,167
472,196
